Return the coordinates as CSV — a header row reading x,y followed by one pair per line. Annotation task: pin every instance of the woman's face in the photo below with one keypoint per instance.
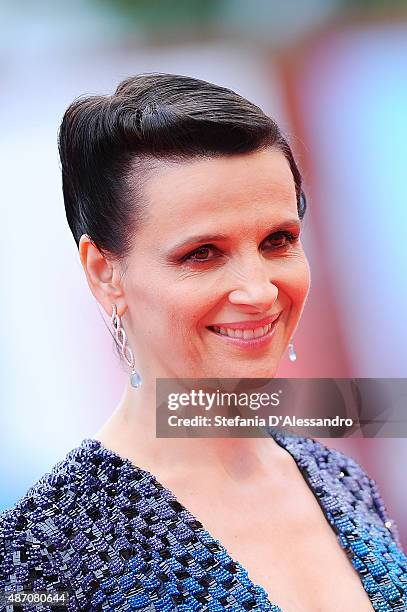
x,y
220,246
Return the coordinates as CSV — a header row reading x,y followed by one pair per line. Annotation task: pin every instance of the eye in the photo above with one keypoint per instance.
x,y
281,239
199,254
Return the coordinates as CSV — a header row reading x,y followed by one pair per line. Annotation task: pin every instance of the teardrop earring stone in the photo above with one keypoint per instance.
x,y
135,379
292,355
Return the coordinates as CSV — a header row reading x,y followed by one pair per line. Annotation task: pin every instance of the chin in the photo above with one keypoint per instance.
x,y
248,372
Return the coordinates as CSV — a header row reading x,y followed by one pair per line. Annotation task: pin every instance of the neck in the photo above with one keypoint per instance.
x,y
131,432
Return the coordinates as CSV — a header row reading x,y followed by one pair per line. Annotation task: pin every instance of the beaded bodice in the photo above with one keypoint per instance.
x,y
111,535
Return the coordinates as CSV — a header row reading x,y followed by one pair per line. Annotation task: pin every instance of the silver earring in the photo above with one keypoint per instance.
x,y
126,351
292,355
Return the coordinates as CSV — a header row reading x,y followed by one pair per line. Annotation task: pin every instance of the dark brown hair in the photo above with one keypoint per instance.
x,y
107,145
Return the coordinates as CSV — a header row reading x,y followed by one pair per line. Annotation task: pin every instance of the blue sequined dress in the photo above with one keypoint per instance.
x,y
108,533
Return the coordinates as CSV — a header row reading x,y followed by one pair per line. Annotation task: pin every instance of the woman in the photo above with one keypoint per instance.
x,y
186,205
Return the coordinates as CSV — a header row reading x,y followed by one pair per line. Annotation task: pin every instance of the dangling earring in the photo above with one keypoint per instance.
x,y
292,355
126,351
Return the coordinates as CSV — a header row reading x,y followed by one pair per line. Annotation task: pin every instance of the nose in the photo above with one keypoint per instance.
x,y
255,287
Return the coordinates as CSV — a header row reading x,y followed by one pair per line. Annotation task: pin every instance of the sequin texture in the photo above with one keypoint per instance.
x,y
112,536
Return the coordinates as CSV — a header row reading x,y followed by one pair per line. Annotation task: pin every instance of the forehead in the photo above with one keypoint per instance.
x,y
186,194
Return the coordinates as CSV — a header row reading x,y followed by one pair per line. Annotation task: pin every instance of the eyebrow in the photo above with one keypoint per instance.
x,y
285,225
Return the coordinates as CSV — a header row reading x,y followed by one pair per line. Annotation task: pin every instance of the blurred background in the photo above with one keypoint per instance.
x,y
333,75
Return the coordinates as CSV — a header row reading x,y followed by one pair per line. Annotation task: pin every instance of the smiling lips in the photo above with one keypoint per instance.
x,y
246,330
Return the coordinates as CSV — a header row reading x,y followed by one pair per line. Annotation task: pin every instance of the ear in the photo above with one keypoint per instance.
x,y
102,275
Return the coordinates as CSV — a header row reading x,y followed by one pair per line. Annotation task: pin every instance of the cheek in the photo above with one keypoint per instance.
x,y
298,281
167,305
185,307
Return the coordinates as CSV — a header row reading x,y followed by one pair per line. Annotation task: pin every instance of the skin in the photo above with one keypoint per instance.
x,y
166,303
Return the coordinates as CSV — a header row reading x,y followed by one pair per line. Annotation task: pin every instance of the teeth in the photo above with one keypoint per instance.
x,y
246,334
258,332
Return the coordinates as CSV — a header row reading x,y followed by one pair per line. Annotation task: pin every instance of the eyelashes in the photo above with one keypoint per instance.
x,y
194,256
290,237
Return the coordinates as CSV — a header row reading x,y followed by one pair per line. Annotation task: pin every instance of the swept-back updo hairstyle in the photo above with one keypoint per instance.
x,y
108,145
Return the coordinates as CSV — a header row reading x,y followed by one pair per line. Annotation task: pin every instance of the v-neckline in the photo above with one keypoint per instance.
x,y
282,438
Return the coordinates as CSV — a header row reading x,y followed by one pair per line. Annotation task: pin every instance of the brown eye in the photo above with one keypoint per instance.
x,y
201,251
281,239
199,254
